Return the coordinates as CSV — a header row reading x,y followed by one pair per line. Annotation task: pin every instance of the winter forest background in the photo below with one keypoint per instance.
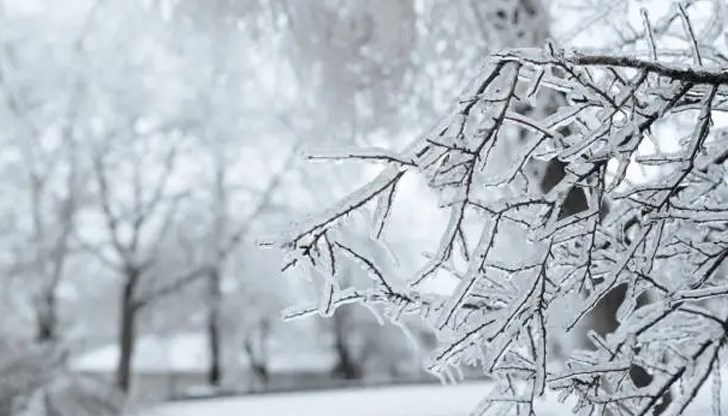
x,y
524,196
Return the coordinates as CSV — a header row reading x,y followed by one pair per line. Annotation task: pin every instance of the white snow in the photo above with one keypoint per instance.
x,y
420,400
185,352
411,400
188,353
302,361
431,400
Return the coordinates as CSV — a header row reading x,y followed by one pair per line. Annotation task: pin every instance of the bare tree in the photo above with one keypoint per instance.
x,y
52,259
53,203
225,241
136,231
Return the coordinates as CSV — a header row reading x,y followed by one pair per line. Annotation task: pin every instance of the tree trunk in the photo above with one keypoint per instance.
x,y
47,319
47,330
213,329
127,332
258,360
347,366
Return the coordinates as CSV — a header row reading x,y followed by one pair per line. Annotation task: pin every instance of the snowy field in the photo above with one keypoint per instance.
x,y
428,400
422,400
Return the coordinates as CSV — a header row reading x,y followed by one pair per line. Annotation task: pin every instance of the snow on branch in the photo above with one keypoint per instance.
x,y
652,222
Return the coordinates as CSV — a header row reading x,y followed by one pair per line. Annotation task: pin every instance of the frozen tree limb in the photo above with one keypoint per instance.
x,y
661,233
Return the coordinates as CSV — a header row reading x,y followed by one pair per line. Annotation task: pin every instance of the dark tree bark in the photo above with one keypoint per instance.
x,y
127,330
257,363
347,367
47,319
214,375
258,354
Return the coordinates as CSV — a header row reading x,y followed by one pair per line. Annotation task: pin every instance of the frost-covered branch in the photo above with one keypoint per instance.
x,y
654,226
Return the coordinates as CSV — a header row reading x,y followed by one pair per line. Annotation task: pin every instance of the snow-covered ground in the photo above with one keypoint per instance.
x,y
420,400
